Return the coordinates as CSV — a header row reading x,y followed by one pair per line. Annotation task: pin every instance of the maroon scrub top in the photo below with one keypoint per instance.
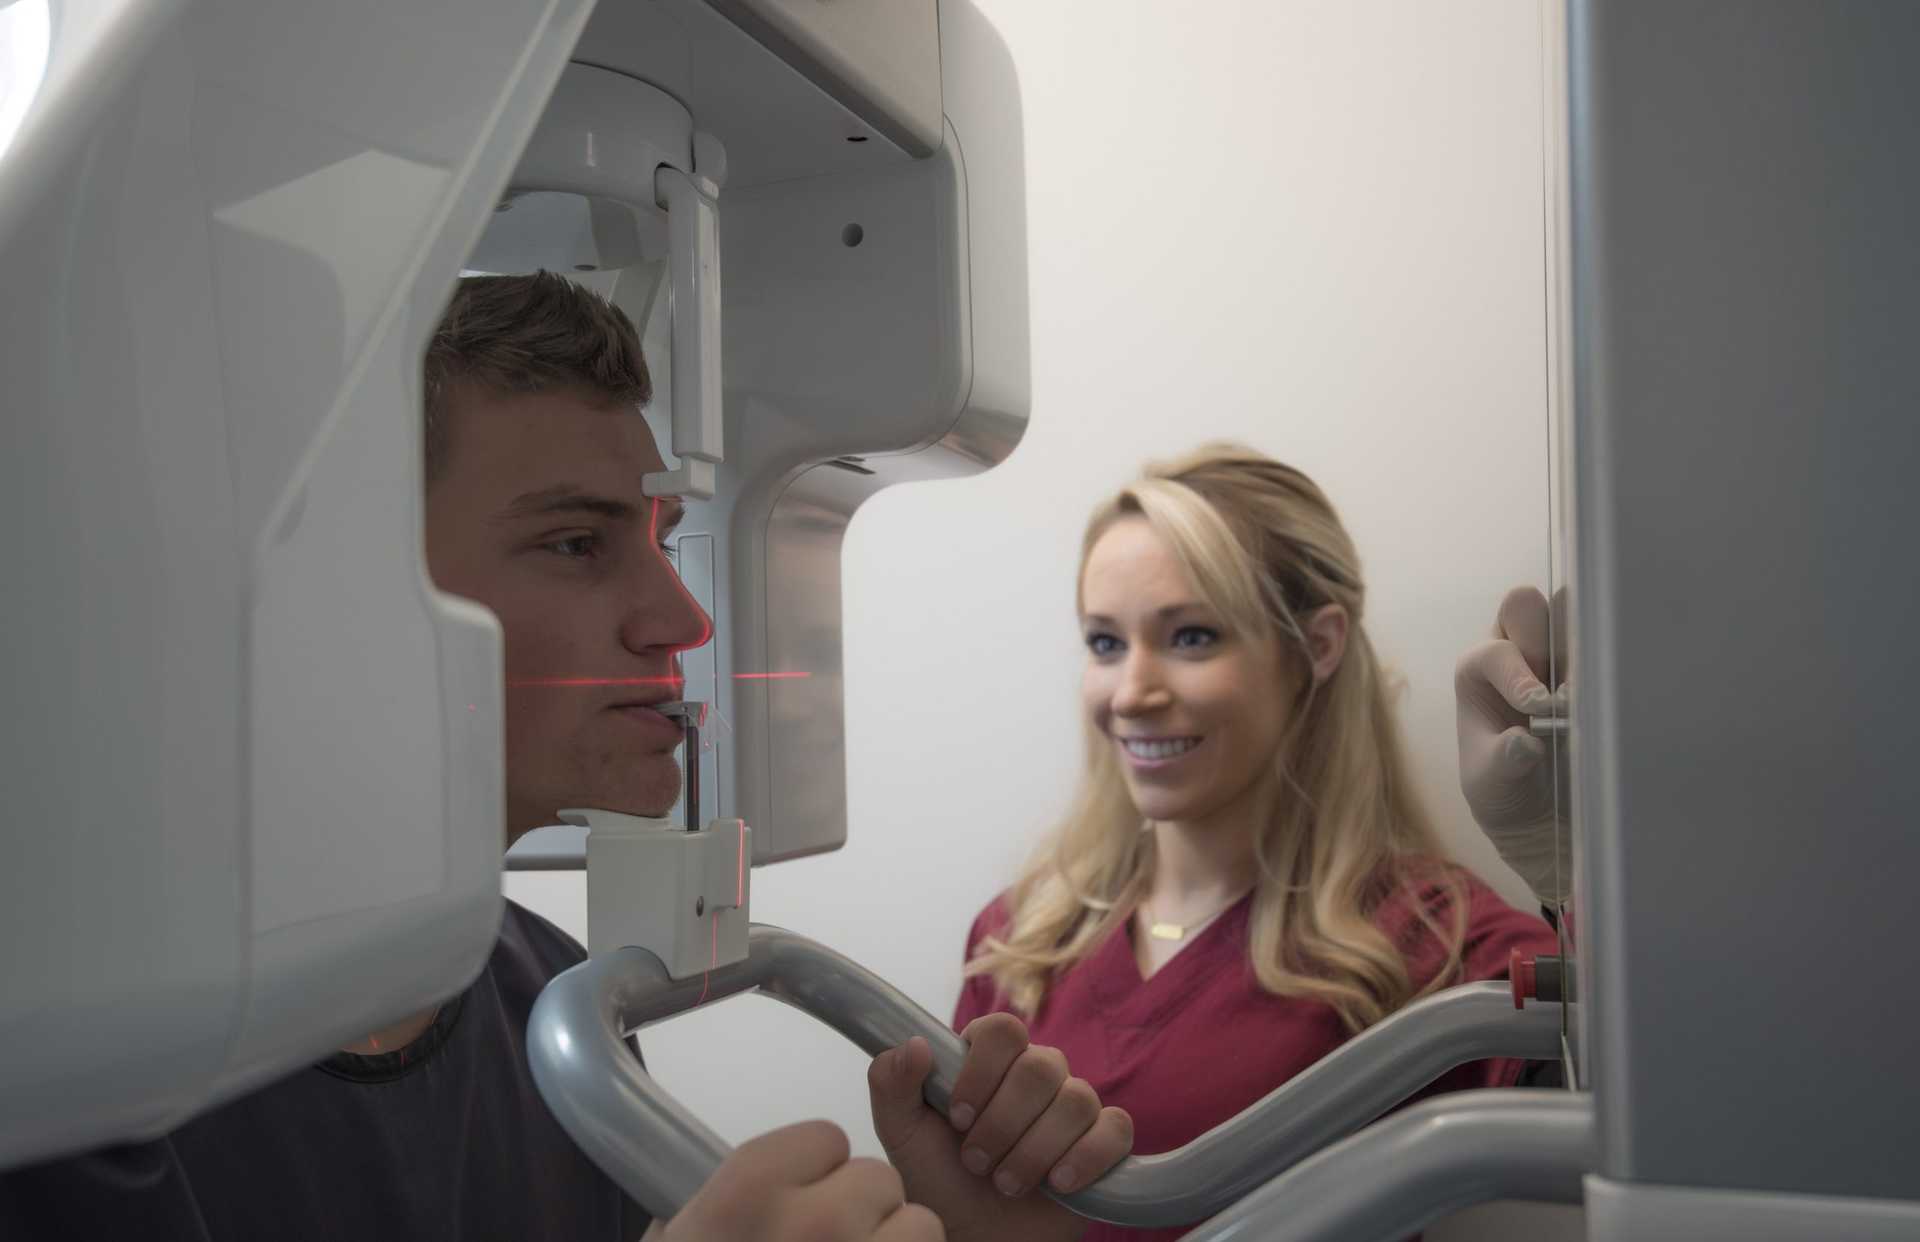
x,y
1200,1041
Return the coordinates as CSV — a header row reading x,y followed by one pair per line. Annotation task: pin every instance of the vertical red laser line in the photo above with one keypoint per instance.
x,y
713,962
653,537
706,634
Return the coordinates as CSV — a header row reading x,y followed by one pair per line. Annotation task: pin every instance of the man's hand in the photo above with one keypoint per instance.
x,y
1020,1124
1506,773
797,1185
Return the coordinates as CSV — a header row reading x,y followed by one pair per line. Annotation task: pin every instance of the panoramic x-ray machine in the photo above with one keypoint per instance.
x,y
253,757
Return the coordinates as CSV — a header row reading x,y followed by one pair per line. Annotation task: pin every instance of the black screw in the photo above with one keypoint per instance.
x,y
699,907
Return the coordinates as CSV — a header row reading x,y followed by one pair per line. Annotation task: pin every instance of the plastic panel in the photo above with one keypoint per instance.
x,y
1624,1212
223,256
1745,186
881,58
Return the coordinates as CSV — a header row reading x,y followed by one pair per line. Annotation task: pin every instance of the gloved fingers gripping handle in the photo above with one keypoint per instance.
x,y
1524,620
1507,774
1496,681
1538,628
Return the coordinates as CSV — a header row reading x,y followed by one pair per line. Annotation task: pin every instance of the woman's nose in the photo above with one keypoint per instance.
x,y
1141,687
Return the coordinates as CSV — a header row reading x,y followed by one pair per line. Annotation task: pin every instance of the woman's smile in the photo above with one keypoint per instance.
x,y
1157,753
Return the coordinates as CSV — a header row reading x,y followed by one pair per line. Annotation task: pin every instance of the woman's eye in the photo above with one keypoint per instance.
x,y
669,551
1195,637
1102,644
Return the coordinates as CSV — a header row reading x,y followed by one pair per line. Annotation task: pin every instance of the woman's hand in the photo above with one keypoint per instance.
x,y
1020,1124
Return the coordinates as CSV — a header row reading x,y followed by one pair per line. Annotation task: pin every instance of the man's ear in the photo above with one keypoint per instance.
x,y
1326,631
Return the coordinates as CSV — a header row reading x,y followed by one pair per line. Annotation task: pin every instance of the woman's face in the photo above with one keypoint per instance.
x,y
1195,715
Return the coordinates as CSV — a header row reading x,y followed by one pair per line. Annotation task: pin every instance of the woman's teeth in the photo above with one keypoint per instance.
x,y
1159,748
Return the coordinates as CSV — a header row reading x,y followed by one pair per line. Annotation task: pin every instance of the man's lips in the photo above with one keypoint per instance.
x,y
661,731
646,700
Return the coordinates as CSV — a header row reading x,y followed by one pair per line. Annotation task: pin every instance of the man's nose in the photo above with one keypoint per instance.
x,y
663,618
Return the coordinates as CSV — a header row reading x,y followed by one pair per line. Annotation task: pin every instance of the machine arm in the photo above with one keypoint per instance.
x,y
661,1154
1395,1178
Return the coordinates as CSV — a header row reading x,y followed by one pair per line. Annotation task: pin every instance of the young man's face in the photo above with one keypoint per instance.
x,y
537,513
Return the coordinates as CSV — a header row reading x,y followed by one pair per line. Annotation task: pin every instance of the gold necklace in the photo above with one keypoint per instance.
x,y
1180,931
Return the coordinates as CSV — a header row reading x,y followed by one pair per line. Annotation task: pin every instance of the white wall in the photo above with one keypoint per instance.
x,y
1314,227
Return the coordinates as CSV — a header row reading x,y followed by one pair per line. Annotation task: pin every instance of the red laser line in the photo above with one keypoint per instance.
x,y
706,980
679,679
706,622
598,681
551,682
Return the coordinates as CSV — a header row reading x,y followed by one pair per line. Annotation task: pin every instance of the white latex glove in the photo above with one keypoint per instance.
x,y
797,1185
1506,773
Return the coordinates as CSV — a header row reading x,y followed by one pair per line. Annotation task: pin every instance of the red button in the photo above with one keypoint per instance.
x,y
1521,971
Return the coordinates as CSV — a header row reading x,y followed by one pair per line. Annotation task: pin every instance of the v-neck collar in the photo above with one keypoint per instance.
x,y
1130,1000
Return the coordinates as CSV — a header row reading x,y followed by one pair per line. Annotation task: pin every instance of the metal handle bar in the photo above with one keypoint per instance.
x,y
661,1154
1395,1178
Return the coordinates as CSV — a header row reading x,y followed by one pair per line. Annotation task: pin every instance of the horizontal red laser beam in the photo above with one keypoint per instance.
x,y
599,681
644,681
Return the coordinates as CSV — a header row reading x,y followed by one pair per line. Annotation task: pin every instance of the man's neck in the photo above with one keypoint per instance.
x,y
406,1030
395,1037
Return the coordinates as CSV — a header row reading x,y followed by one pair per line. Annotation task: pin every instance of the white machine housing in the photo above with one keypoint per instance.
x,y
253,757
874,333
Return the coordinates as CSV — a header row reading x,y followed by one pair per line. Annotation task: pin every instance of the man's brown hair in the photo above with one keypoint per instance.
x,y
538,333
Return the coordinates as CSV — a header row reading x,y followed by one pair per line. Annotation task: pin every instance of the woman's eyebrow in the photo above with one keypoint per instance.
x,y
1163,614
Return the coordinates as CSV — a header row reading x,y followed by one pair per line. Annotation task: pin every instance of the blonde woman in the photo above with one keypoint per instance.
x,y
1248,876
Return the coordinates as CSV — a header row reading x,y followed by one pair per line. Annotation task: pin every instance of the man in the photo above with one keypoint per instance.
x,y
432,1128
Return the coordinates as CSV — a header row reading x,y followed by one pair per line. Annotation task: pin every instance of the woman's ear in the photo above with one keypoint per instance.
x,y
1326,631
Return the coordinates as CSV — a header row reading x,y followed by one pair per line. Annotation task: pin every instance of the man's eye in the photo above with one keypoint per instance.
x,y
669,551
575,547
1195,637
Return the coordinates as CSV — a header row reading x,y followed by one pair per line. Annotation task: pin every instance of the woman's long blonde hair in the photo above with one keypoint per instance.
x,y
1266,549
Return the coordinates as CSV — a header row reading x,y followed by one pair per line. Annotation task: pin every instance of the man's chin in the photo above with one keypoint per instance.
x,y
643,806
645,783
646,804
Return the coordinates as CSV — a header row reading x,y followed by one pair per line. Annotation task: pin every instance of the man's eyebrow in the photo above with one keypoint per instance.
x,y
564,498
